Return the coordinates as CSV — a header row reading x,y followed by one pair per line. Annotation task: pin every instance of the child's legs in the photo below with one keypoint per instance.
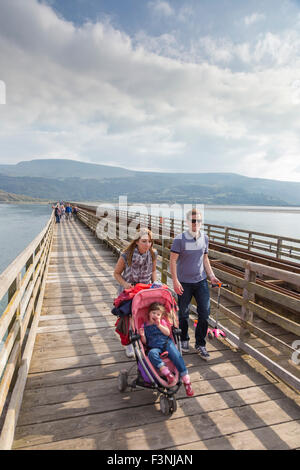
x,y
155,359
177,359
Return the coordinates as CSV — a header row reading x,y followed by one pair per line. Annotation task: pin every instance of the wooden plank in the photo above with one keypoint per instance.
x,y
217,395
256,439
174,432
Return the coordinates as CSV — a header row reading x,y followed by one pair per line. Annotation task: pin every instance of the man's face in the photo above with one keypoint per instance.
x,y
194,222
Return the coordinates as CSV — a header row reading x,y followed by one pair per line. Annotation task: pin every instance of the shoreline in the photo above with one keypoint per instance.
x,y
26,202
246,208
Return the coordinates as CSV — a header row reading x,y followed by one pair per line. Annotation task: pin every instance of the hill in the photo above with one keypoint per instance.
x,y
63,168
108,183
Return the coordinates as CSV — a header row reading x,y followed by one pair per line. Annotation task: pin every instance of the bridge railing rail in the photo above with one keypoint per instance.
x,y
22,286
279,247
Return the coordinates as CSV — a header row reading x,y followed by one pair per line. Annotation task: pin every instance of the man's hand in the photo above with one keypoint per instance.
x,y
214,280
177,287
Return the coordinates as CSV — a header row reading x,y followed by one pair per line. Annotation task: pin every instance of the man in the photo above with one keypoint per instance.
x,y
68,212
190,268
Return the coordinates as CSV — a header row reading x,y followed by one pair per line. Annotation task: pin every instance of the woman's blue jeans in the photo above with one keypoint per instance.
x,y
200,291
173,354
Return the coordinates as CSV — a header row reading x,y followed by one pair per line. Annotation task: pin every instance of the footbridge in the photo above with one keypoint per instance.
x,y
60,356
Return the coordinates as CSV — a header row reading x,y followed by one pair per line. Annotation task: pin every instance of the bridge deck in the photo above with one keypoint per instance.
x,y
71,400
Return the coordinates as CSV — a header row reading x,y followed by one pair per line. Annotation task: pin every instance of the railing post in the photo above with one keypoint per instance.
x,y
208,231
250,240
15,286
247,314
226,235
164,262
278,249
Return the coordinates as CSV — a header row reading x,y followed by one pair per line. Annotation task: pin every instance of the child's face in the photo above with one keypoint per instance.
x,y
154,316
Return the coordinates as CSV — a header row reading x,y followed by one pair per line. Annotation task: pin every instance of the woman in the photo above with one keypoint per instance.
x,y
136,264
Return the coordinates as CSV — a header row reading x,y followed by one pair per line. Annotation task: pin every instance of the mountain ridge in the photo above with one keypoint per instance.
x,y
110,182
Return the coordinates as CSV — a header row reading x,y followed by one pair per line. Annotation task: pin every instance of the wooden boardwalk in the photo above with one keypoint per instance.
x,y
71,399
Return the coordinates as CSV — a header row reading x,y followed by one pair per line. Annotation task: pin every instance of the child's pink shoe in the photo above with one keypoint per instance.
x,y
187,385
169,376
188,390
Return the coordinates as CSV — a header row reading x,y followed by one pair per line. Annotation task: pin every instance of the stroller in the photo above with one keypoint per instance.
x,y
147,375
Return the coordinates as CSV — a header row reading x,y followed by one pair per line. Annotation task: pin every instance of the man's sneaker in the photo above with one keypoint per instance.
x,y
185,346
202,352
129,350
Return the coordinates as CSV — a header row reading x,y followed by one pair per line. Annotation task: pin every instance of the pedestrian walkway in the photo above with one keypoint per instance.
x,y
71,399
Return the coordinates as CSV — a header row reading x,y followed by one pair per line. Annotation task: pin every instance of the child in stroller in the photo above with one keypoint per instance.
x,y
156,335
160,364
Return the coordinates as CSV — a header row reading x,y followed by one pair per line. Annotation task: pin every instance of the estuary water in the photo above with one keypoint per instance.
x,y
21,223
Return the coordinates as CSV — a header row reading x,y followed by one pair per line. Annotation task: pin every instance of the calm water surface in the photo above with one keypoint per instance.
x,y
282,221
20,224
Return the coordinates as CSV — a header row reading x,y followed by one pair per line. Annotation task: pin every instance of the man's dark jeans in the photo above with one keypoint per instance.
x,y
200,292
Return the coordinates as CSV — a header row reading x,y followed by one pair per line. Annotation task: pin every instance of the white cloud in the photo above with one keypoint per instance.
x,y
254,18
161,7
93,93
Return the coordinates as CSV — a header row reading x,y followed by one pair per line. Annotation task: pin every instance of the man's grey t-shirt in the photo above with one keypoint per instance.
x,y
190,266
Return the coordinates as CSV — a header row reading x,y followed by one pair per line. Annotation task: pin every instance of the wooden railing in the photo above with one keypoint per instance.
x,y
256,242
23,284
255,300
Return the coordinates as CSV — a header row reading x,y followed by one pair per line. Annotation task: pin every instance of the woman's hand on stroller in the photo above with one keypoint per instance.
x,y
127,285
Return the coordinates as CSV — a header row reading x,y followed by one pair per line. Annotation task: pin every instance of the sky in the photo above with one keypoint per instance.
x,y
177,85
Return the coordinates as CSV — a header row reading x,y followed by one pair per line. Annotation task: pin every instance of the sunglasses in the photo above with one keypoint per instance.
x,y
194,221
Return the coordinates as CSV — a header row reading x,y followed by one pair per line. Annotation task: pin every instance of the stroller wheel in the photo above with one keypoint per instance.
x,y
164,405
123,380
172,404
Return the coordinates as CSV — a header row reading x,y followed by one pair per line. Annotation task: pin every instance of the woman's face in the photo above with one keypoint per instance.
x,y
144,244
154,316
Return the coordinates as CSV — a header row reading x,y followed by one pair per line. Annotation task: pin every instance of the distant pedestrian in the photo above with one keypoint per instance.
x,y
57,214
68,212
75,212
62,211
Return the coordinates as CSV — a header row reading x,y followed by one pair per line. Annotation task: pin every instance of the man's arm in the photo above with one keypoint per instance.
x,y
208,269
173,268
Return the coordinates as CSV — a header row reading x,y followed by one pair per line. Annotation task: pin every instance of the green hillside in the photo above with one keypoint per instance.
x,y
62,168
108,183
